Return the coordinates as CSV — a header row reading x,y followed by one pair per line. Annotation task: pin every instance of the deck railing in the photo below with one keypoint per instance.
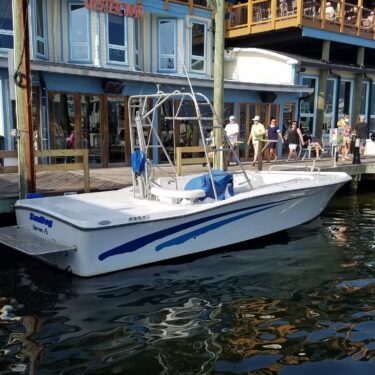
x,y
335,15
190,3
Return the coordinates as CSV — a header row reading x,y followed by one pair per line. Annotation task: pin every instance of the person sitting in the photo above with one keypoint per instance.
x,y
330,13
368,23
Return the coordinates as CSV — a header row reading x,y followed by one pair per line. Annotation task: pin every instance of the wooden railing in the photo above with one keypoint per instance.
x,y
264,15
190,3
181,160
64,165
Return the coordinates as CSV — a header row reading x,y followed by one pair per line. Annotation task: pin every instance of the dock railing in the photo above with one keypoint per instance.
x,y
73,155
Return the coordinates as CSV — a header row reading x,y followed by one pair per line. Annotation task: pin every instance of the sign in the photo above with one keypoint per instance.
x,y
115,7
336,137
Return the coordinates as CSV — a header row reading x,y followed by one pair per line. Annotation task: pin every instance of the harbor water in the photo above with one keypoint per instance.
x,y
299,302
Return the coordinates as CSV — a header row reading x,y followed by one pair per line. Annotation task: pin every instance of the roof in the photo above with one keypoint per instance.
x,y
314,63
116,74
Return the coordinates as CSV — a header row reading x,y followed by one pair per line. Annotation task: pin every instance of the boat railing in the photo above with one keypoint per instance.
x,y
144,133
308,168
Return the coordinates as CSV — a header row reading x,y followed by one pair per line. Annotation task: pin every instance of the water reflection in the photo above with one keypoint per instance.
x,y
300,302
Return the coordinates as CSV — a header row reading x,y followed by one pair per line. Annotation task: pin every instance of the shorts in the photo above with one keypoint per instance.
x,y
362,142
346,141
256,147
292,146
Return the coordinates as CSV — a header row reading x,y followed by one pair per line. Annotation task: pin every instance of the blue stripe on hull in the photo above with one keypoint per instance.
x,y
138,243
195,233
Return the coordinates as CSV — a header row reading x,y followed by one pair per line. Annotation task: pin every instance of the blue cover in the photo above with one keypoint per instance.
x,y
222,180
138,161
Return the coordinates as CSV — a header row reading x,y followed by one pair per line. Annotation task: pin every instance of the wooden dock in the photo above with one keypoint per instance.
x,y
101,179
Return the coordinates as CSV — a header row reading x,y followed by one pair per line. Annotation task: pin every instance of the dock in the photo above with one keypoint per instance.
x,y
104,179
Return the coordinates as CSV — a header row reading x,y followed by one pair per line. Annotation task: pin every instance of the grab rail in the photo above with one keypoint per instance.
x,y
311,168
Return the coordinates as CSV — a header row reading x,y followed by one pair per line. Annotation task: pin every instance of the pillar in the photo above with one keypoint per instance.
x,y
358,86
322,88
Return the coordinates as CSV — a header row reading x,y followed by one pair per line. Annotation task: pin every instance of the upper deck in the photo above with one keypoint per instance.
x,y
259,16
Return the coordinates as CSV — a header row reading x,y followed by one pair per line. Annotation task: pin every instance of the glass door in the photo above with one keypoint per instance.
x,y
116,130
90,122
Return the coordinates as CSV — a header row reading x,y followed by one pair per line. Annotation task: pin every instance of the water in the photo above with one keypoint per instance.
x,y
300,302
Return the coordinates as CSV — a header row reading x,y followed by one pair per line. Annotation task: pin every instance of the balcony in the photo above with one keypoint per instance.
x,y
258,16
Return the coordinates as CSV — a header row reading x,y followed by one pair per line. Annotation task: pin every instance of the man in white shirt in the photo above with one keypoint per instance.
x,y
232,130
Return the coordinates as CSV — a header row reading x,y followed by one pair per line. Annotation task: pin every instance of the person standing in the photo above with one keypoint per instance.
x,y
71,142
273,133
362,131
346,131
256,136
232,130
294,137
341,123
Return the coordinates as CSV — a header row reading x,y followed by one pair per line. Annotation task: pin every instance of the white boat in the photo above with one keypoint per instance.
x,y
162,218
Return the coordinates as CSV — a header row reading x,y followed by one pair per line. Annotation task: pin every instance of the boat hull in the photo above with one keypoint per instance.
x,y
108,249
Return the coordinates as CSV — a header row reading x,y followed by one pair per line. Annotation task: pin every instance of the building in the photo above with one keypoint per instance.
x,y
88,57
333,42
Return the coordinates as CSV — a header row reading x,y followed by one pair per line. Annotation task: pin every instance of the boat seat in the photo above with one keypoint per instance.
x,y
175,196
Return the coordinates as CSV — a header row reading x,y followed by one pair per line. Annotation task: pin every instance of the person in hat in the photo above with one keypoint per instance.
x,y
231,130
257,133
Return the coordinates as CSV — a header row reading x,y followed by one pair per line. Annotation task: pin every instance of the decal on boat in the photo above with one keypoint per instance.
x,y
138,243
41,220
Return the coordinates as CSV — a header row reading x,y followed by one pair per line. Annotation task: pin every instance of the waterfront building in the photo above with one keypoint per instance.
x,y
88,57
333,42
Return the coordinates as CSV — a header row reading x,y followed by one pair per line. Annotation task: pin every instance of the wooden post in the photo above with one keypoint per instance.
x,y
322,88
358,86
178,161
86,172
260,161
219,79
23,96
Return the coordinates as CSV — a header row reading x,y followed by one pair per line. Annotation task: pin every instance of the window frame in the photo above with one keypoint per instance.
x,y
8,32
313,114
137,23
71,43
191,57
124,48
37,38
159,55
351,98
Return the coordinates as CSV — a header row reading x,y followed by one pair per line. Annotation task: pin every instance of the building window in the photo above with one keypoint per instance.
x,y
329,105
117,50
308,105
372,113
40,28
137,43
167,45
345,101
79,33
198,47
364,102
6,24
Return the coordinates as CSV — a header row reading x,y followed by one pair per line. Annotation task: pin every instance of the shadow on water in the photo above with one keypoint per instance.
x,y
298,302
